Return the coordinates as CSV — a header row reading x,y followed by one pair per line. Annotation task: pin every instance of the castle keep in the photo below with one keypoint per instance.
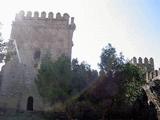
x,y
38,34
32,36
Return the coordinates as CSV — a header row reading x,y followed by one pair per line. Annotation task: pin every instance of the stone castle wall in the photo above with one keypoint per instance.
x,y
17,85
40,34
153,75
31,38
146,64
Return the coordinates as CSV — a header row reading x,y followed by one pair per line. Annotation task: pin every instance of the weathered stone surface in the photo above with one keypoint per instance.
x,y
145,64
34,37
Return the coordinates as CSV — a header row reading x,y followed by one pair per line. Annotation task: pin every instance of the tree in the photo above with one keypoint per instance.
x,y
59,80
133,77
3,47
131,85
82,76
54,79
110,61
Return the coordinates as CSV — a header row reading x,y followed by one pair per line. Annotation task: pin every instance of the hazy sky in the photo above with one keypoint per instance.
x,y
131,26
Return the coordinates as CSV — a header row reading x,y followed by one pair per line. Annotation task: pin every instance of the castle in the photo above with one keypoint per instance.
x,y
148,67
32,36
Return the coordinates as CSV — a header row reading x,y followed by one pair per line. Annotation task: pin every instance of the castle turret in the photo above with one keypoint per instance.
x,y
34,34
42,27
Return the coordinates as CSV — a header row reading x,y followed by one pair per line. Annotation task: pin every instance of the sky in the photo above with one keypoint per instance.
x,y
131,26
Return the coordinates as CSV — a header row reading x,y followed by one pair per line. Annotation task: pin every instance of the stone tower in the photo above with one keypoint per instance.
x,y
38,34
32,36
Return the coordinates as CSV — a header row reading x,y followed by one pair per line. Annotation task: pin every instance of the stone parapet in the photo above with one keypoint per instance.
x,y
41,18
153,75
146,64
142,61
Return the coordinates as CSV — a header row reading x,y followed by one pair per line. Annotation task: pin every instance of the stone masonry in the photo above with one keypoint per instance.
x,y
31,38
148,67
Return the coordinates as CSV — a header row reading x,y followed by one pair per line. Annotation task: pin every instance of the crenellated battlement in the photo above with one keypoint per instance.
x,y
146,64
33,28
32,37
44,17
145,61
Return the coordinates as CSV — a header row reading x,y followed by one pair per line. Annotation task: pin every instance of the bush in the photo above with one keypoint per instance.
x,y
82,110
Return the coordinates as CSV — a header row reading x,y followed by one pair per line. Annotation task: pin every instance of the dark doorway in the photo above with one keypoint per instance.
x,y
30,103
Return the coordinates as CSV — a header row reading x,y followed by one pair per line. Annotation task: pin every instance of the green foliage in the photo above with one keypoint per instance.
x,y
97,100
130,87
3,48
81,110
127,80
23,116
133,77
54,79
82,76
110,61
61,79
8,55
78,77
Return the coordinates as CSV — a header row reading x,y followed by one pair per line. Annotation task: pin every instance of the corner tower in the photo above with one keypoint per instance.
x,y
38,33
32,36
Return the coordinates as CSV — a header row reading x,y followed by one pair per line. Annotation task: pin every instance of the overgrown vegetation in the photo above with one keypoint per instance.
x,y
113,94
59,80
70,85
110,61
54,79
82,76
131,85
3,48
133,77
